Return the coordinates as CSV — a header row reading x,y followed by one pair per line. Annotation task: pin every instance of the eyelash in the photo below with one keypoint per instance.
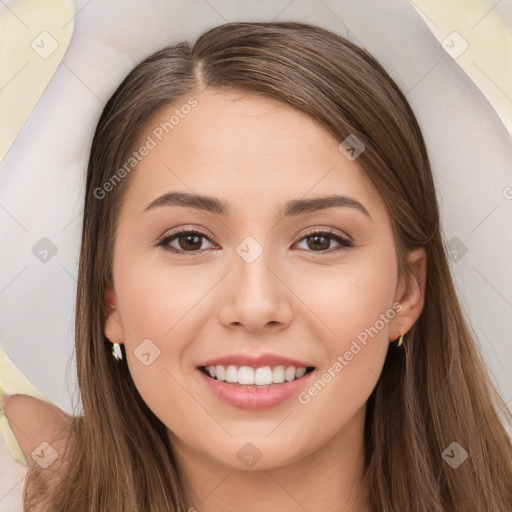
x,y
345,243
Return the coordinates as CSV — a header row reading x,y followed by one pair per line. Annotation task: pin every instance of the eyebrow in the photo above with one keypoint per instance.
x,y
289,209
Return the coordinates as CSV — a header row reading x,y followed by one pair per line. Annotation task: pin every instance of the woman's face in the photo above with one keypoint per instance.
x,y
256,280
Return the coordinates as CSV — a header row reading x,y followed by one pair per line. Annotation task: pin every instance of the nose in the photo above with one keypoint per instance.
x,y
255,298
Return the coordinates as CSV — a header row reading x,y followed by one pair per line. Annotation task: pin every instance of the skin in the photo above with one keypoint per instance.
x,y
37,424
296,300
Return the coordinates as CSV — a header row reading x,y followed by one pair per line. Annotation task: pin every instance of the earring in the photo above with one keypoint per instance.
x,y
400,340
116,352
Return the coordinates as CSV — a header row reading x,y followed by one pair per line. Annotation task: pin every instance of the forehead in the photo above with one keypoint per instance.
x,y
253,147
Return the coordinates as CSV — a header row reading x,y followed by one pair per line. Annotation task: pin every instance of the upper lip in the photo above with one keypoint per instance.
x,y
256,361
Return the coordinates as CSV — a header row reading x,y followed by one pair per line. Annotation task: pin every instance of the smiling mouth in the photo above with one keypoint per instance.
x,y
248,377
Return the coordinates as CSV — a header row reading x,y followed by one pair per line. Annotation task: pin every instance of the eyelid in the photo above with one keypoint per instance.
x,y
331,231
186,229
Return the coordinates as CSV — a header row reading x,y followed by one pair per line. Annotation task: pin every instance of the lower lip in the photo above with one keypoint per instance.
x,y
253,398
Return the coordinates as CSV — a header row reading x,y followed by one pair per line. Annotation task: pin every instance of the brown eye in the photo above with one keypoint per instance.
x,y
187,241
320,241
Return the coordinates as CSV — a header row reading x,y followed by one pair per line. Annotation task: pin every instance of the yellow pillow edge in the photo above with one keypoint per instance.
x,y
20,62
13,382
455,17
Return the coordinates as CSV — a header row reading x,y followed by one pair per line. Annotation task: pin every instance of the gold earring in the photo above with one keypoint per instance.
x,y
400,340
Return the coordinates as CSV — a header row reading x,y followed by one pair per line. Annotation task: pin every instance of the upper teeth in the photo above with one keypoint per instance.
x,y
258,376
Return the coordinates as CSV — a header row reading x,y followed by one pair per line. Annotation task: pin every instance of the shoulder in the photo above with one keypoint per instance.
x,y
41,429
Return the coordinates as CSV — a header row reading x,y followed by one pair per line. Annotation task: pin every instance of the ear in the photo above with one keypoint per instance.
x,y
113,326
410,293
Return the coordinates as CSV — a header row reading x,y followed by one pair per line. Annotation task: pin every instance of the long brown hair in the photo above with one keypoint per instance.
x,y
434,392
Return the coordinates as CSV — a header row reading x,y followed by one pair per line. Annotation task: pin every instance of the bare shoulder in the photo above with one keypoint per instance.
x,y
41,429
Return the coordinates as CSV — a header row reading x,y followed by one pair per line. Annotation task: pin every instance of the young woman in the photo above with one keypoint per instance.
x,y
261,242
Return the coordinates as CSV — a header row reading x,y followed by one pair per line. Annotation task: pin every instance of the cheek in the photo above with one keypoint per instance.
x,y
354,301
153,309
156,310
164,304
350,296
156,298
